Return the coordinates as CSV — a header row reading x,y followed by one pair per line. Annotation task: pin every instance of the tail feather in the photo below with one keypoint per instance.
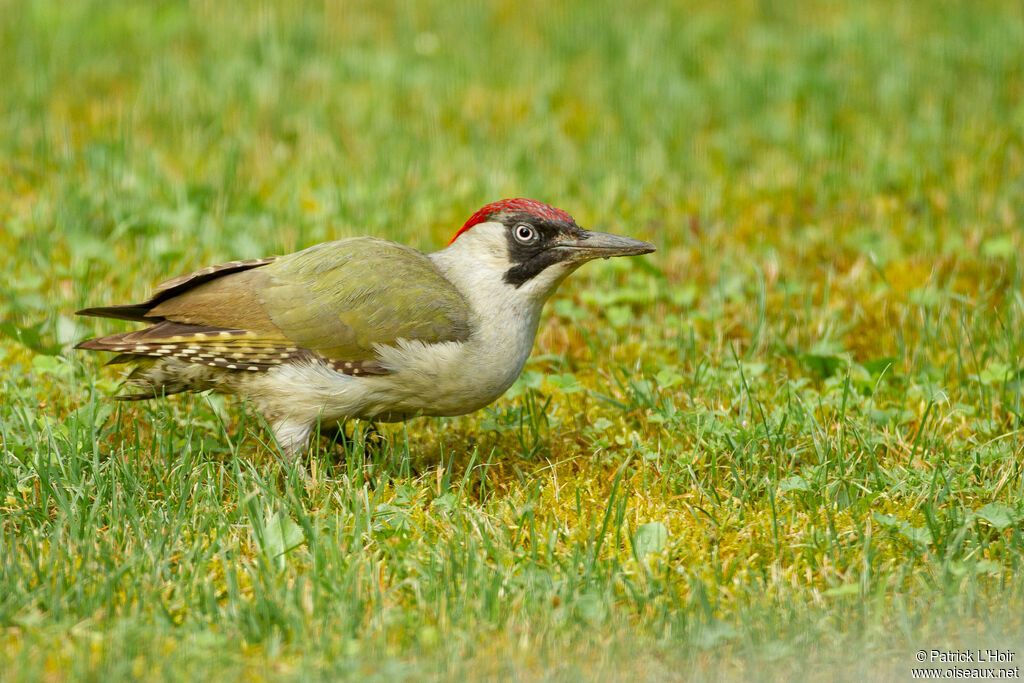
x,y
153,377
122,358
102,343
145,396
134,312
147,376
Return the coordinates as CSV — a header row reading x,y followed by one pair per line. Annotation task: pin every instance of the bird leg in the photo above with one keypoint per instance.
x,y
335,432
292,437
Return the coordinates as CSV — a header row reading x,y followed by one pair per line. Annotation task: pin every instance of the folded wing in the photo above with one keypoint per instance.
x,y
334,302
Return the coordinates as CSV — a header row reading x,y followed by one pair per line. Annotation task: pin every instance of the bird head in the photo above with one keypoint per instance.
x,y
531,246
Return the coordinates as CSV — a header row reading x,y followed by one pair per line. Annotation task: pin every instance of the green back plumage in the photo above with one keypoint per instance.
x,y
360,292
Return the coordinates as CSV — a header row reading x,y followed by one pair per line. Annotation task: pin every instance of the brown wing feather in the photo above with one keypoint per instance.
x,y
226,302
171,288
177,285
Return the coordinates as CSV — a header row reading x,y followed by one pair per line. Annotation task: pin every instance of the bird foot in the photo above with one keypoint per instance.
x,y
373,441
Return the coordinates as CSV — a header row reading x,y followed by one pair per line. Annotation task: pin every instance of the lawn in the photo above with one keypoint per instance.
x,y
789,443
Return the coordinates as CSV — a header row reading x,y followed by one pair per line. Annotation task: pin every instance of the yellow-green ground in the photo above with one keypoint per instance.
x,y
788,443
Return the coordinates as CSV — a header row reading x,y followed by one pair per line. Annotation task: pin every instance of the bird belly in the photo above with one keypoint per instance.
x,y
433,379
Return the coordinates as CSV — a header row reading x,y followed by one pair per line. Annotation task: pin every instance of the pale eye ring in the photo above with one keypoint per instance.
x,y
525,234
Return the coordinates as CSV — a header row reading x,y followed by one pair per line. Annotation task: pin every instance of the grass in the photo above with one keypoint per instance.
x,y
789,443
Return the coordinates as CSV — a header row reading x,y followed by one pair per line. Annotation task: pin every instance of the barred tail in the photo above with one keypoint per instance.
x,y
152,377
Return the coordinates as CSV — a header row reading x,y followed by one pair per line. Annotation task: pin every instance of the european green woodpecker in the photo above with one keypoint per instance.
x,y
361,327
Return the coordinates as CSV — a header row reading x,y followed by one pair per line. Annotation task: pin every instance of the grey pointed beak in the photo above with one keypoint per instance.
x,y
602,245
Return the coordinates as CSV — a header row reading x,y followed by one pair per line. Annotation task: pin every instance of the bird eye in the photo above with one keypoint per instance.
x,y
525,234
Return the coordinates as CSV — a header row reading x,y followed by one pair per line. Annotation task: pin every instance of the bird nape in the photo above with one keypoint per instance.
x,y
361,327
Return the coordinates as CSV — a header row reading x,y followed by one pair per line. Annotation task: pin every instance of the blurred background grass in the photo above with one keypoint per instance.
x,y
814,385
